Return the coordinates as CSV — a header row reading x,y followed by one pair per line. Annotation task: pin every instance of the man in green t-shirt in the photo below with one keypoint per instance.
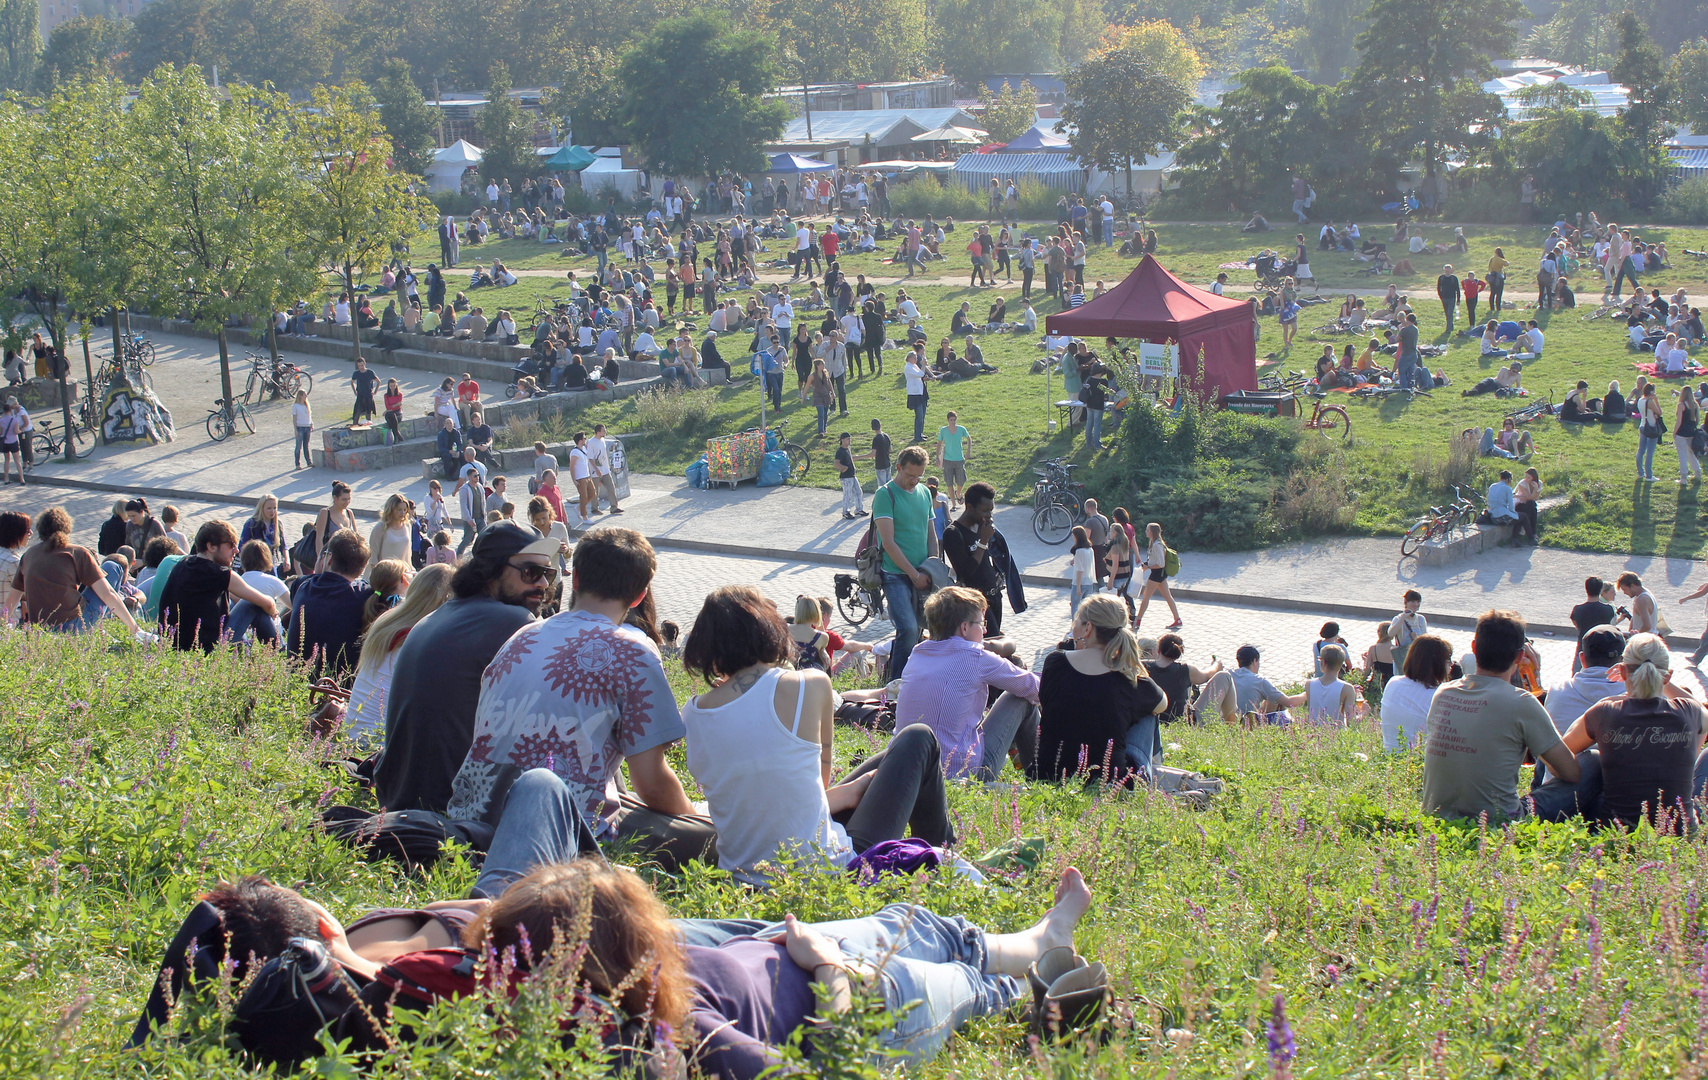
x,y
901,509
952,443
1479,730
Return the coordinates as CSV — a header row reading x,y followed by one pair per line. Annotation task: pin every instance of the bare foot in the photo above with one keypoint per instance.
x,y
1073,900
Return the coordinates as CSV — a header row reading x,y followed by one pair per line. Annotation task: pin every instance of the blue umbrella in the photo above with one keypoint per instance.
x,y
795,163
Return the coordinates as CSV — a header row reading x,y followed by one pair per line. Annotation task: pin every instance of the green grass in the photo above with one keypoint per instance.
x,y
1391,471
1399,946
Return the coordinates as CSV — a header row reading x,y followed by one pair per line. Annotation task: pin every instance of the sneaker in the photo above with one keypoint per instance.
x,y
616,510
1173,625
846,516
861,513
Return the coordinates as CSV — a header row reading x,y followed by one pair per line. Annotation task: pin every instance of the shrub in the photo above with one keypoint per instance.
x,y
1037,201
1439,471
454,203
1686,203
674,410
1313,501
927,195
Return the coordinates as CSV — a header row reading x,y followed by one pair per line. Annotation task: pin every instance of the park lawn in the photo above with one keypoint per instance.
x,y
1312,889
1392,468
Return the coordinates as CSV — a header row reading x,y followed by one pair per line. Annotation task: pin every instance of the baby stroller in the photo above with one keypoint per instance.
x,y
1272,270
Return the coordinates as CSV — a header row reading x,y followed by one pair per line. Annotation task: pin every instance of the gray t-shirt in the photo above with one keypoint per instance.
x,y
1408,342
1097,527
1251,690
1478,731
542,462
435,688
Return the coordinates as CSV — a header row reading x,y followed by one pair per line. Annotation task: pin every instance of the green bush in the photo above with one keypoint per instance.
x,y
454,203
1485,202
927,195
1037,201
1686,203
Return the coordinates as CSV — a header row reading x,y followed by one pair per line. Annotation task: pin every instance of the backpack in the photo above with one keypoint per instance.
x,y
1170,562
869,555
808,654
291,1000
414,982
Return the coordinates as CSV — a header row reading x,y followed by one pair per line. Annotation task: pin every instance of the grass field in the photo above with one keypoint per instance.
x,y
1395,945
1392,468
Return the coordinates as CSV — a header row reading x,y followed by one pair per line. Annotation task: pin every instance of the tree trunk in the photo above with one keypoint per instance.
x,y
355,323
224,369
89,387
62,366
118,342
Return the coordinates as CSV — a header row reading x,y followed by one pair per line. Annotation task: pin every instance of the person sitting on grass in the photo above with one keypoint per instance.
x,y
1328,698
1503,382
1579,407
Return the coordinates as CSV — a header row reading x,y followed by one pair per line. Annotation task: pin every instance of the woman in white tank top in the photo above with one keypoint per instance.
x,y
1329,699
759,744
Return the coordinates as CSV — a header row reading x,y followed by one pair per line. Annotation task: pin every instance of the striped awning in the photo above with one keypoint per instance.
x,y
1689,160
1058,171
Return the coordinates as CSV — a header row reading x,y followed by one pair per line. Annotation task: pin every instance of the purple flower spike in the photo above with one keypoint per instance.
x,y
1282,1047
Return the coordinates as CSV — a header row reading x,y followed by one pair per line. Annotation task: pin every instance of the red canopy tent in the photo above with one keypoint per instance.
x,y
1153,305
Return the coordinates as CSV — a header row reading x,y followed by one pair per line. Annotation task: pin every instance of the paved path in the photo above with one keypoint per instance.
x,y
1353,578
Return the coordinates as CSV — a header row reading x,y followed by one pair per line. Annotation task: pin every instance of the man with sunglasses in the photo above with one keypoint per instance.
x,y
430,714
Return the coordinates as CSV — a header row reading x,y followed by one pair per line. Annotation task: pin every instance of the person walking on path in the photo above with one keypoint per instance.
x,y
1097,528
303,417
845,471
879,455
599,461
1081,563
1651,426
1156,577
952,443
1689,419
901,510
471,503
363,381
1448,289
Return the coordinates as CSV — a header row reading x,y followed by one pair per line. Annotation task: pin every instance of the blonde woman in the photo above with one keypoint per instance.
x,y
1098,707
1156,576
389,538
264,526
1650,740
303,417
364,717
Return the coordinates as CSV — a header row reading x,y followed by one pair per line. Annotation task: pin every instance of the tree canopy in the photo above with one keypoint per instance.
x,y
1120,108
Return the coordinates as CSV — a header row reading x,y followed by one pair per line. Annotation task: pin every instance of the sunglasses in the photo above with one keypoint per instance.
x,y
533,573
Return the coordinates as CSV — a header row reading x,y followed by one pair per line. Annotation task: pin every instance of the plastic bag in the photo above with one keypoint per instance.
x,y
698,474
773,468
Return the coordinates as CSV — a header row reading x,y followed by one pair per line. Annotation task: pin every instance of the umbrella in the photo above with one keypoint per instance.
x,y
571,158
951,133
795,163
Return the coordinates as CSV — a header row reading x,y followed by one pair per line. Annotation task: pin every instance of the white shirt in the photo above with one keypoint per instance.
x,y
597,456
915,374
1216,288
1572,698
301,415
783,314
1535,336
1108,209
341,312
492,193
1083,565
579,466
908,309
1416,244
266,584
1405,709
852,328
646,343
803,238
1029,319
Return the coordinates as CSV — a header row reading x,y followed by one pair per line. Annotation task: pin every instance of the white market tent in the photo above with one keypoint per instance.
x,y
449,164
609,170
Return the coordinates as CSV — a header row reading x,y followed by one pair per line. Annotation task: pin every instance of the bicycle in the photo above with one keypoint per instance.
x,y
283,379
1423,530
1531,411
1056,484
1275,383
138,349
222,419
799,460
44,447
1331,420
855,604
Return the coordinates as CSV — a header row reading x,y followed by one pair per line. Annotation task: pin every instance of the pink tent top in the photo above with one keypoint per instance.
x,y
1150,303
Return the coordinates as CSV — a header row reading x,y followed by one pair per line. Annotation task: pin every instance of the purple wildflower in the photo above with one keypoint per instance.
x,y
1332,973
1282,1046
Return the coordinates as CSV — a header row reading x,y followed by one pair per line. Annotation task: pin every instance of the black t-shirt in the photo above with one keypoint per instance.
x,y
1591,614
365,382
480,435
1086,714
844,464
193,601
429,717
972,564
1175,679
881,452
1648,754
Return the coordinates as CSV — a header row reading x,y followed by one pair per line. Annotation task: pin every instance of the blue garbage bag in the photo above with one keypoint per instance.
x,y
773,468
772,440
698,474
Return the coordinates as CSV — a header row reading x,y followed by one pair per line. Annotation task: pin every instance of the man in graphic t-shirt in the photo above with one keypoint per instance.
x,y
851,507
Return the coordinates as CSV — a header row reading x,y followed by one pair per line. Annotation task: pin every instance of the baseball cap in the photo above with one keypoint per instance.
x,y
507,539
1603,645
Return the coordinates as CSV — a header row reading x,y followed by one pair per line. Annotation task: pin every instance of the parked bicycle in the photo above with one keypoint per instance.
x,y
138,350
1331,420
799,460
1277,383
1441,522
1058,501
281,379
223,419
44,446
854,603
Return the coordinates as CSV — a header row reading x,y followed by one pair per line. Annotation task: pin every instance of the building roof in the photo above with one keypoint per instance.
x,y
1606,96
1047,82
885,127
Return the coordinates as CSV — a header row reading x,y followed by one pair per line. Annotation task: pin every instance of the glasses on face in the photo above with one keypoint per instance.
x,y
533,573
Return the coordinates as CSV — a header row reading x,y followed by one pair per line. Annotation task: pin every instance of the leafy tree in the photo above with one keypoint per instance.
x,y
284,42
1578,158
1638,67
1688,86
80,48
1010,113
412,124
506,137
694,102
1330,26
1120,109
976,38
584,102
20,43
1420,69
1080,25
357,210
175,32
1165,47
849,40
226,209
1577,32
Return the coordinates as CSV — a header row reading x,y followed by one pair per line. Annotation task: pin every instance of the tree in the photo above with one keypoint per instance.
x,y
584,102
1637,66
1011,113
224,194
694,103
411,123
976,38
1120,109
175,32
506,138
1165,47
1688,86
1080,23
1579,158
1420,69
284,42
78,49
357,210
850,40
1330,26
20,43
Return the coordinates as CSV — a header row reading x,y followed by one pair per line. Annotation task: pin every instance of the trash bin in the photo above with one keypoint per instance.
x,y
1262,403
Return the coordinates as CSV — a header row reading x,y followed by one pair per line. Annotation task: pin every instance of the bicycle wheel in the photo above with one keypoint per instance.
x,y
290,383
1052,524
243,415
249,387
305,378
1334,423
853,609
43,446
1415,536
145,352
219,426
799,462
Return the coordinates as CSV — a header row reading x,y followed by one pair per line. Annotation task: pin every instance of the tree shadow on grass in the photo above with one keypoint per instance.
x,y
1642,518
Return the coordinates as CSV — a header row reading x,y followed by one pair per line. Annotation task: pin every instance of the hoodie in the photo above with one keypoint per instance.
x,y
326,623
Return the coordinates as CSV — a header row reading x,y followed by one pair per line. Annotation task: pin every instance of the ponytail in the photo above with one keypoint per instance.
x,y
1647,662
1107,617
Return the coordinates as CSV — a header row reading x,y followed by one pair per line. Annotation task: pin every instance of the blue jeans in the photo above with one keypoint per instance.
x,y
1094,428
774,387
1646,455
1556,800
919,407
932,966
303,453
1144,746
1011,722
1407,372
899,598
245,616
823,418
93,606
1488,448
540,824
1076,593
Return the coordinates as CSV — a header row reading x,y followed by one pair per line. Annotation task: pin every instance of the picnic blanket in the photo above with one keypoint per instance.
x,y
1233,266
1649,368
